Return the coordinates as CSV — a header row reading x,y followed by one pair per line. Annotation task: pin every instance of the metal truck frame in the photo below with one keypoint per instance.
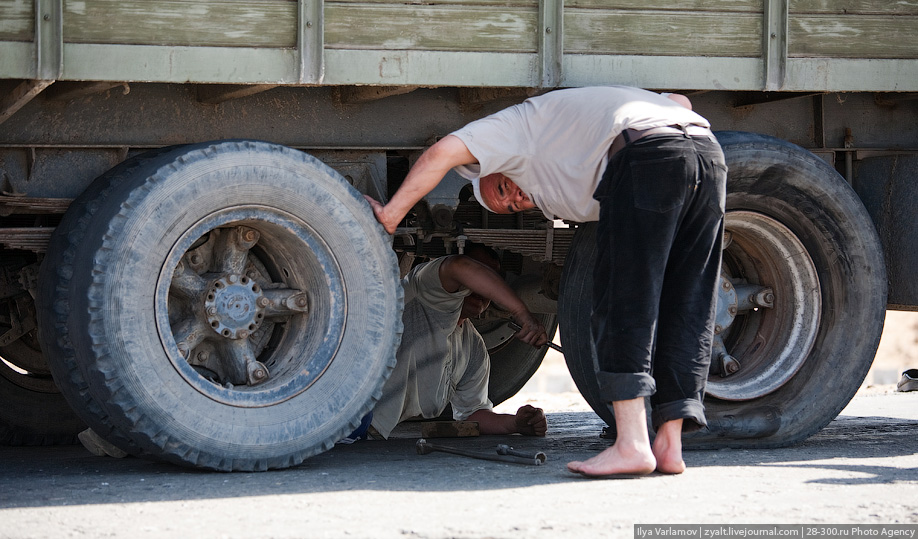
x,y
189,267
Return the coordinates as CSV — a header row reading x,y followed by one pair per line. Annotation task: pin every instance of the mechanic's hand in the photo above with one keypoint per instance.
x,y
531,421
533,332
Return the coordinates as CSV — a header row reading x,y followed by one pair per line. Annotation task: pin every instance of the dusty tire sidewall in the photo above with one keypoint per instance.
x,y
129,358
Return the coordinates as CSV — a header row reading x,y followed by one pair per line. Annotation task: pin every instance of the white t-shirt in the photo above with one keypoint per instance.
x,y
556,146
438,362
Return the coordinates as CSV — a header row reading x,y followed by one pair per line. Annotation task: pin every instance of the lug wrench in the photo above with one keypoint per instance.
x,y
503,449
424,447
516,327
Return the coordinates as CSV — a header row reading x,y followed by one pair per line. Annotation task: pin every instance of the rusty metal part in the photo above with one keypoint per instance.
x,y
233,307
21,319
546,245
553,346
424,447
26,238
11,203
503,449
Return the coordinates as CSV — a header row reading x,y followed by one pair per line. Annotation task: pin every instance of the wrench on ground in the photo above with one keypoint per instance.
x,y
424,447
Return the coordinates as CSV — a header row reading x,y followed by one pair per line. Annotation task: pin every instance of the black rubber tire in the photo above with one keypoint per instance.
x,y
34,412
791,186
57,291
317,234
514,363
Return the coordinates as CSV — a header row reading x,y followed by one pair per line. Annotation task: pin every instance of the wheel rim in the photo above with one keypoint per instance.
x,y
768,311
250,306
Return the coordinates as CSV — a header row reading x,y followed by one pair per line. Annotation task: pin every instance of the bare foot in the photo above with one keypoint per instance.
x,y
667,448
617,460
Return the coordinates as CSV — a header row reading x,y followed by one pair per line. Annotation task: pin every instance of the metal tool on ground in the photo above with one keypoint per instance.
x,y
516,327
503,449
424,447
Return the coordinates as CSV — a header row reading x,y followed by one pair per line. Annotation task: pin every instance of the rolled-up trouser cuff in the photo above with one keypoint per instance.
x,y
691,411
618,386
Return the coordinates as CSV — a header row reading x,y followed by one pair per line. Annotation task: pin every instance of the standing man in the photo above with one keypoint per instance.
x,y
651,172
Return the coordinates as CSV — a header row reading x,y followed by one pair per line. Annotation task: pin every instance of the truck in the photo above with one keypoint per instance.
x,y
190,269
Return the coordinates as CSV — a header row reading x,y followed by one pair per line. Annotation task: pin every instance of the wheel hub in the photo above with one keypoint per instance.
x,y
235,306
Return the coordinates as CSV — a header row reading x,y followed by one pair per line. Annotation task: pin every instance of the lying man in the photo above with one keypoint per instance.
x,y
442,359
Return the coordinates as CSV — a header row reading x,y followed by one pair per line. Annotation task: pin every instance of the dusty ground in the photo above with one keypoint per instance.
x,y
862,468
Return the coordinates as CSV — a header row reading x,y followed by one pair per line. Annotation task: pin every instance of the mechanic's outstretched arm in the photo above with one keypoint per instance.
x,y
528,420
426,174
463,271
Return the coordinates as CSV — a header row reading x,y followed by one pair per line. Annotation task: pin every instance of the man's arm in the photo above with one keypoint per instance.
x,y
528,420
462,271
426,173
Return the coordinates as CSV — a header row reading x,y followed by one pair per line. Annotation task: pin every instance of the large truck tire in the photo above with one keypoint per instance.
x,y
801,305
57,291
34,412
513,362
242,306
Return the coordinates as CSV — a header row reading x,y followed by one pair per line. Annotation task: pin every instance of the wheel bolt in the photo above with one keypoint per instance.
x,y
302,301
263,302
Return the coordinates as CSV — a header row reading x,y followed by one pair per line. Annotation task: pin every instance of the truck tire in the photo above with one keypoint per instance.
x,y
33,412
513,362
56,294
793,228
244,306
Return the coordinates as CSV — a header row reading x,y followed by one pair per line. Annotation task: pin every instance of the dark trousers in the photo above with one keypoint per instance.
x,y
659,247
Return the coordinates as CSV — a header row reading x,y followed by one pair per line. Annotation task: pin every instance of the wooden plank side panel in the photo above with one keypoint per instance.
x,y
862,36
663,33
17,21
853,7
226,23
464,3
430,27
721,6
